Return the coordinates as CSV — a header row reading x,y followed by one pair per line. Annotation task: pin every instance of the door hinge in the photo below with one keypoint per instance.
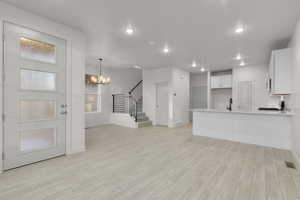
x,y
3,37
3,156
3,117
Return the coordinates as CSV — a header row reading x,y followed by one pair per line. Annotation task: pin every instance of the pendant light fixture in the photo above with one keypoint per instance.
x,y
100,79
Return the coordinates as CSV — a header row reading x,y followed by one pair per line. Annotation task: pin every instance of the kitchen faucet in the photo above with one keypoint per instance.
x,y
230,105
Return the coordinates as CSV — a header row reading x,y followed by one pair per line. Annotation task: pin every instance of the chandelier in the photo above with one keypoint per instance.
x,y
100,79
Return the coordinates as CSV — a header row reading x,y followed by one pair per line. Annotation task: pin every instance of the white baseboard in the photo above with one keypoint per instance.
x,y
178,124
97,125
78,150
297,158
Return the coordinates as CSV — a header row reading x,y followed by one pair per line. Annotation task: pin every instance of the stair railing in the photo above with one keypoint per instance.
x,y
137,90
124,103
133,111
128,103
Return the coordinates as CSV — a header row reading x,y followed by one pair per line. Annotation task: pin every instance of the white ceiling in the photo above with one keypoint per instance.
x,y
201,30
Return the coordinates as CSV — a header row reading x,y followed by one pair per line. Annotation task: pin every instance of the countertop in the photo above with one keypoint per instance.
x,y
254,112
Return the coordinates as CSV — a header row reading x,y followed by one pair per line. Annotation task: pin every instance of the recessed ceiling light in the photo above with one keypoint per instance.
x,y
239,30
202,69
137,67
166,50
242,63
129,30
238,57
194,64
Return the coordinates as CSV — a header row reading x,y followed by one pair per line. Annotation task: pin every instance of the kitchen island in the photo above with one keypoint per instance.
x,y
264,128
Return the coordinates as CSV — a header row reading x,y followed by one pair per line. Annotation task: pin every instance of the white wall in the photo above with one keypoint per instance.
x,y
198,80
178,83
258,74
295,44
76,45
181,101
122,81
220,98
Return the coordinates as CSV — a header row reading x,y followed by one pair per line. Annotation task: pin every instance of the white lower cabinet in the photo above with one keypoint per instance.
x,y
271,130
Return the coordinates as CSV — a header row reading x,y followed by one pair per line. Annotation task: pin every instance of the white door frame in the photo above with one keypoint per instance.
x,y
68,87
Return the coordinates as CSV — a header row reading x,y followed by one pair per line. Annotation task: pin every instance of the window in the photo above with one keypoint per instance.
x,y
92,97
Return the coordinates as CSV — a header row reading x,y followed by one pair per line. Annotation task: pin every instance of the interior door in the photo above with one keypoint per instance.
x,y
34,96
245,95
162,104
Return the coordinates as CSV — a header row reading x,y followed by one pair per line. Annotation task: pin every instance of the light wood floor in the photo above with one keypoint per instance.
x,y
156,163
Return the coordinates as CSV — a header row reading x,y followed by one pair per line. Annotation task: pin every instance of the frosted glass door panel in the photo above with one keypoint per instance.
x,y
31,110
38,139
37,50
36,80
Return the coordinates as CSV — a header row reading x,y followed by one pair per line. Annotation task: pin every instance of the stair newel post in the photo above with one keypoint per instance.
x,y
113,103
136,112
128,104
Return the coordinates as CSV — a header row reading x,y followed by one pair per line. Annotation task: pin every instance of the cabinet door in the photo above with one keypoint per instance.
x,y
221,81
214,82
271,73
282,72
227,81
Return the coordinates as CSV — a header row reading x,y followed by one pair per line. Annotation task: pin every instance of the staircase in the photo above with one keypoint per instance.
x,y
141,119
130,104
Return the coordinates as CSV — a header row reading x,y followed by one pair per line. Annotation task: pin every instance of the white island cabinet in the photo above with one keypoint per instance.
x,y
271,129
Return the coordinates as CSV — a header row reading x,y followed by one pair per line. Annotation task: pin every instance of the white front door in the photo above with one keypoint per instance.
x,y
162,104
34,96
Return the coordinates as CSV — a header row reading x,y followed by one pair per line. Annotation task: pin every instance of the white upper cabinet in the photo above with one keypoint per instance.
x,y
221,81
215,82
227,81
280,72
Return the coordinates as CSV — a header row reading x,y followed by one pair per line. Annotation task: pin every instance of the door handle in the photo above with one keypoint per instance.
x,y
63,112
63,105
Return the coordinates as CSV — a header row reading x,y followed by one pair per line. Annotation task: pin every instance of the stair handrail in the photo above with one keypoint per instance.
x,y
135,115
130,91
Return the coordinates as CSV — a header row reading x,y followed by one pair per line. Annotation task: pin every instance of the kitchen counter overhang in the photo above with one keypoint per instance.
x,y
256,112
271,129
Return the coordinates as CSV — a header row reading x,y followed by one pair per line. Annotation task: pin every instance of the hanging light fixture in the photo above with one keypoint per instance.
x,y
100,79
